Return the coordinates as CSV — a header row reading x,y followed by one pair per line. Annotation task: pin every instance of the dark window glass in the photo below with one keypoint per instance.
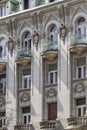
x,y
1,123
25,119
79,111
25,4
29,118
26,110
79,73
51,77
84,71
84,111
81,101
25,82
51,1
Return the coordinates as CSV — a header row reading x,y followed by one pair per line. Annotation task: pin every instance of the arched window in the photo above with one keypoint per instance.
x,y
2,49
53,36
27,40
81,28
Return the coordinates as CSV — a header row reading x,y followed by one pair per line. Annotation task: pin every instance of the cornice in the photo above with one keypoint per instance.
x,y
44,8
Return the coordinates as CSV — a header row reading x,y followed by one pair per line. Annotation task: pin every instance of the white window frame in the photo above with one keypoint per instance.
x,y
26,115
3,10
82,108
83,74
54,35
54,77
28,77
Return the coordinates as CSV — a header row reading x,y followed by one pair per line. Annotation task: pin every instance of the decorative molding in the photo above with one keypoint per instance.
x,y
51,93
79,88
24,98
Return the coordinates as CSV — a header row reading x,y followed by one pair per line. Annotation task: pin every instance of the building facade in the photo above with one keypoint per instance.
x,y
43,65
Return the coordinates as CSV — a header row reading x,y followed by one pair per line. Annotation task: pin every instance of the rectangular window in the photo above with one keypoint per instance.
x,y
81,107
26,81
52,77
26,115
81,68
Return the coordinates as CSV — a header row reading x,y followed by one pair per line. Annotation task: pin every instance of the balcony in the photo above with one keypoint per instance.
x,y
78,44
49,124
23,56
77,122
23,127
49,50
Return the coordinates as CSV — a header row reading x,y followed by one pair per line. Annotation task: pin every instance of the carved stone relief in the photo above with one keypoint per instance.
x,y
51,93
79,88
24,98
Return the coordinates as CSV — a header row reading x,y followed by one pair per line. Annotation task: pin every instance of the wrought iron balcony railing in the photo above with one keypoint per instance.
x,y
78,39
23,52
49,46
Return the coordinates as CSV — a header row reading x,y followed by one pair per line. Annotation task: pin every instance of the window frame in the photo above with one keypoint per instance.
x,y
3,10
28,83
54,77
83,73
27,115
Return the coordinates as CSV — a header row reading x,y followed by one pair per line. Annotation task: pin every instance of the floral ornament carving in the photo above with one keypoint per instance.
x,y
51,93
24,98
79,88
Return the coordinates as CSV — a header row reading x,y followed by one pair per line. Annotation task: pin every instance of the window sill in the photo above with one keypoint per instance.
x,y
25,89
51,85
85,78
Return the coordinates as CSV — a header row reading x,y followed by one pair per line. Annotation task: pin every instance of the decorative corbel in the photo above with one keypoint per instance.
x,y
36,38
63,32
11,42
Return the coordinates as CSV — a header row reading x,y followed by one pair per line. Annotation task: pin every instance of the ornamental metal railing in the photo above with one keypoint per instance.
x,y
23,52
49,46
78,39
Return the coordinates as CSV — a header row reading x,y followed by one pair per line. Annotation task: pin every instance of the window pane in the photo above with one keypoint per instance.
x,y
81,101
1,123
26,110
79,111
29,118
29,82
25,119
26,4
51,77
25,82
84,111
84,71
55,77
79,73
